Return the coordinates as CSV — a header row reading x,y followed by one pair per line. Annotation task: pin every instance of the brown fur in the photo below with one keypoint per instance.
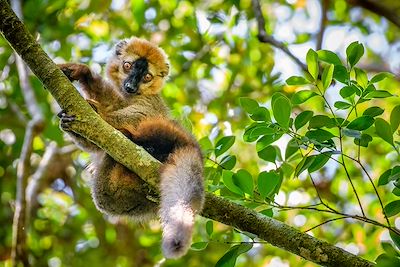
x,y
143,117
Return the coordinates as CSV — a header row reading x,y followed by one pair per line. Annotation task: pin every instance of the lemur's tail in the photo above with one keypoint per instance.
x,y
182,189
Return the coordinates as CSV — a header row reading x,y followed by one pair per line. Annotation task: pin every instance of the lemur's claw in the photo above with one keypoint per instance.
x,y
65,120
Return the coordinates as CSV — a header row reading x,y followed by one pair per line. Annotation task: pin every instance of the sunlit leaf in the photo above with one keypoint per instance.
x,y
380,76
312,63
296,80
268,153
230,257
361,123
302,96
268,183
392,208
373,111
329,57
244,181
395,118
302,119
327,75
384,130
248,104
224,144
354,52
281,108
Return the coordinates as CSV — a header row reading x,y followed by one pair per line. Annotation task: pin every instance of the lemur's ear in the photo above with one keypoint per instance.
x,y
165,72
120,46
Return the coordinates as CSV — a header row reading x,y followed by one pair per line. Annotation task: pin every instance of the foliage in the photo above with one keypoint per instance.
x,y
307,153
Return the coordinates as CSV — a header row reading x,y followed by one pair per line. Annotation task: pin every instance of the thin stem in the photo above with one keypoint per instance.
x,y
348,175
325,222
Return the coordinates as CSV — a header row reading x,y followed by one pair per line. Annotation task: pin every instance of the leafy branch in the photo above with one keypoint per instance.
x,y
91,126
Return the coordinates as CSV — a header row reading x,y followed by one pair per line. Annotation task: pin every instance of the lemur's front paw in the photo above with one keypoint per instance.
x,y
66,120
75,71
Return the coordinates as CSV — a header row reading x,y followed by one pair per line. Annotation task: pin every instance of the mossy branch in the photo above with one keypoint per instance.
x,y
91,126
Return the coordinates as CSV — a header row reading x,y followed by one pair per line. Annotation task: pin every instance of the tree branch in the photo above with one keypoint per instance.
x,y
322,25
264,37
91,126
378,8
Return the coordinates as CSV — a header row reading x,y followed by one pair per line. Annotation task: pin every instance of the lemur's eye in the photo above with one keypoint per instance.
x,y
127,65
147,78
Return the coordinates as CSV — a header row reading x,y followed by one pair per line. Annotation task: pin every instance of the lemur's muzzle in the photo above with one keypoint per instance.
x,y
139,69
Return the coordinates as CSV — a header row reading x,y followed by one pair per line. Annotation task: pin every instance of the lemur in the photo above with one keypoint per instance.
x,y
130,101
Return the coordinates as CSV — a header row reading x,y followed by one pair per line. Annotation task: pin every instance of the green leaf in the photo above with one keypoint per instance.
x,y
384,130
268,183
261,114
329,57
302,96
351,133
361,123
347,91
209,227
327,75
354,52
281,108
267,140
342,105
392,208
319,135
312,63
244,181
302,119
395,238
227,178
378,94
228,162
319,121
389,249
319,161
363,140
296,80
373,111
396,191
395,118
268,154
291,148
230,257
255,130
199,246
224,144
303,165
361,77
205,144
267,212
248,104
384,178
380,76
341,74
395,174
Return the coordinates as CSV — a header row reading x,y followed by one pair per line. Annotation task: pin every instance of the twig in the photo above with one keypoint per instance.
x,y
264,37
322,25
379,9
325,222
19,253
19,250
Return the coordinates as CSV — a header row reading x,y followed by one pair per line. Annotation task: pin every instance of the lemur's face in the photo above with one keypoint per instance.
x,y
138,67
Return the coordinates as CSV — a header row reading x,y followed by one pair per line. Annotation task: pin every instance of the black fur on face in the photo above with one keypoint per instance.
x,y
139,70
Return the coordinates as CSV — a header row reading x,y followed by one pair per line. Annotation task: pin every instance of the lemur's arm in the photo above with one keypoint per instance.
x,y
93,85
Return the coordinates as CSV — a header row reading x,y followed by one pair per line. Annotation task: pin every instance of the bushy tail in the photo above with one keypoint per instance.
x,y
182,197
182,189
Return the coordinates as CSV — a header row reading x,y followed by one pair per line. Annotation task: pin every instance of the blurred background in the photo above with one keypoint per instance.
x,y
216,58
